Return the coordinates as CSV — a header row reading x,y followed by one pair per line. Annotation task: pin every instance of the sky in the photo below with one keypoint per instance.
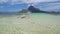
x,y
17,5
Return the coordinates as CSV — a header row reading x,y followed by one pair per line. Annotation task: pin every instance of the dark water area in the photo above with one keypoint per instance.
x,y
41,13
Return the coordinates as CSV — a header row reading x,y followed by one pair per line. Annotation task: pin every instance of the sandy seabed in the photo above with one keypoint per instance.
x,y
31,24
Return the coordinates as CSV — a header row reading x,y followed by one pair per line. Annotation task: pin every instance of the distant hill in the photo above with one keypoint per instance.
x,y
32,9
35,10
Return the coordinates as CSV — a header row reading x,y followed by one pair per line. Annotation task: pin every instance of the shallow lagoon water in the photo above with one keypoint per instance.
x,y
34,23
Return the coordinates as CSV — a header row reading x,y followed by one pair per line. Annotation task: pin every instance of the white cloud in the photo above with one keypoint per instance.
x,y
16,2
26,1
3,1
30,1
53,7
33,1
